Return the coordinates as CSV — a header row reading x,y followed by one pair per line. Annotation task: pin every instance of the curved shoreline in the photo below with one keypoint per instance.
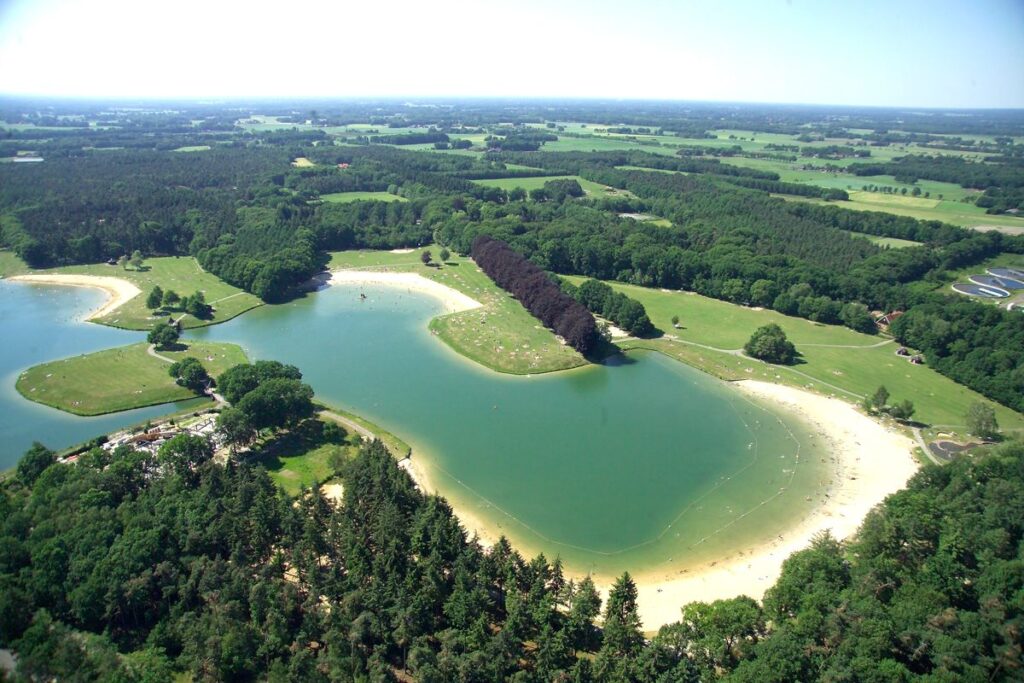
x,y
453,300
870,462
118,290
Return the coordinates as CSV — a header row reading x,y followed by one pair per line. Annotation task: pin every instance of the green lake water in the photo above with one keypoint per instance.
x,y
643,464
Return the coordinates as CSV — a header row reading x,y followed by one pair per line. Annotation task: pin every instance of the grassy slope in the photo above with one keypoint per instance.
x,y
847,372
345,197
184,276
11,264
500,335
119,379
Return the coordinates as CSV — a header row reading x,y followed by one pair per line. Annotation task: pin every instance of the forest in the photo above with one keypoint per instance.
x,y
131,567
263,225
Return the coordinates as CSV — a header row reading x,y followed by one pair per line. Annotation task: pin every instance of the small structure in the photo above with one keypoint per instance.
x,y
887,319
903,351
342,166
917,360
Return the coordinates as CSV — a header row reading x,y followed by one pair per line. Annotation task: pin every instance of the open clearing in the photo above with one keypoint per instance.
x,y
890,242
536,182
119,379
345,197
500,334
182,274
837,360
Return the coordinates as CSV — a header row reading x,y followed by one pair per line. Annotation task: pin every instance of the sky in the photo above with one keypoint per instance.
x,y
903,53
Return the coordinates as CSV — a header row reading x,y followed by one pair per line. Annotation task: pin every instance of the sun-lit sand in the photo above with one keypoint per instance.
x,y
452,300
871,462
119,291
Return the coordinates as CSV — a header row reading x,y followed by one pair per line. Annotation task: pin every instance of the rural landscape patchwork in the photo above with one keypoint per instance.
x,y
325,386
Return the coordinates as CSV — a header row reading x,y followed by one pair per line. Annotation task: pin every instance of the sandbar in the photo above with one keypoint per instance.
x,y
871,461
118,289
452,299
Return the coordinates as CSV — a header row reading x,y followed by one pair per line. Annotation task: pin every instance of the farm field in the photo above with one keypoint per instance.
x,y
346,197
184,275
836,359
499,335
119,379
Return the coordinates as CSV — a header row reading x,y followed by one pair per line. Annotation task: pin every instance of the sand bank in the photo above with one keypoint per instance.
x,y
871,462
119,291
452,300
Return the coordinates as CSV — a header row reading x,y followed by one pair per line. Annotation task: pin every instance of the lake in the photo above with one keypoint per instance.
x,y
642,464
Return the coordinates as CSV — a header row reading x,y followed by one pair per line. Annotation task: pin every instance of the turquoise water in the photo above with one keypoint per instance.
x,y
640,464
39,323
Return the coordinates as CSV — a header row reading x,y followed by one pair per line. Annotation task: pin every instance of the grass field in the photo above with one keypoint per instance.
x,y
299,459
192,148
533,183
296,461
10,264
119,379
302,162
890,242
500,335
345,197
954,213
182,274
836,359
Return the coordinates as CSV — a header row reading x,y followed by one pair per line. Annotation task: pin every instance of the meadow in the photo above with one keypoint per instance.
x,y
835,360
182,274
119,379
533,183
346,197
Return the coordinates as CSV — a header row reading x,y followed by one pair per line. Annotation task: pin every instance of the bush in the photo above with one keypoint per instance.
x,y
769,344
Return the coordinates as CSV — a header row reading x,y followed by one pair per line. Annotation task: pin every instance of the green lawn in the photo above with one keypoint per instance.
x,y
836,359
182,274
535,182
119,379
298,460
500,334
345,197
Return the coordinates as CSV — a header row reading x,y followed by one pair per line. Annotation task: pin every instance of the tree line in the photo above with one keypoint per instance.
x,y
133,567
537,293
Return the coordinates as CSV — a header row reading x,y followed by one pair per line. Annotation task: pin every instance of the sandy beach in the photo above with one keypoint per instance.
x,y
118,290
871,463
452,300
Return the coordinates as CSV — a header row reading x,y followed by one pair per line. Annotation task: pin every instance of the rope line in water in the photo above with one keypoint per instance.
x,y
657,537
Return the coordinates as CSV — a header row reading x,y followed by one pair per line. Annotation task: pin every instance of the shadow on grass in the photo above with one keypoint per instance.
x,y
299,441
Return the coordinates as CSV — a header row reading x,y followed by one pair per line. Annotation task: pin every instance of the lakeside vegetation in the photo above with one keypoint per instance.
x,y
181,275
500,335
119,379
936,563
834,359
135,566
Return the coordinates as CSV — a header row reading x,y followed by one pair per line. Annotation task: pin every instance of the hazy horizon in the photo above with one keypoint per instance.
x,y
910,54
